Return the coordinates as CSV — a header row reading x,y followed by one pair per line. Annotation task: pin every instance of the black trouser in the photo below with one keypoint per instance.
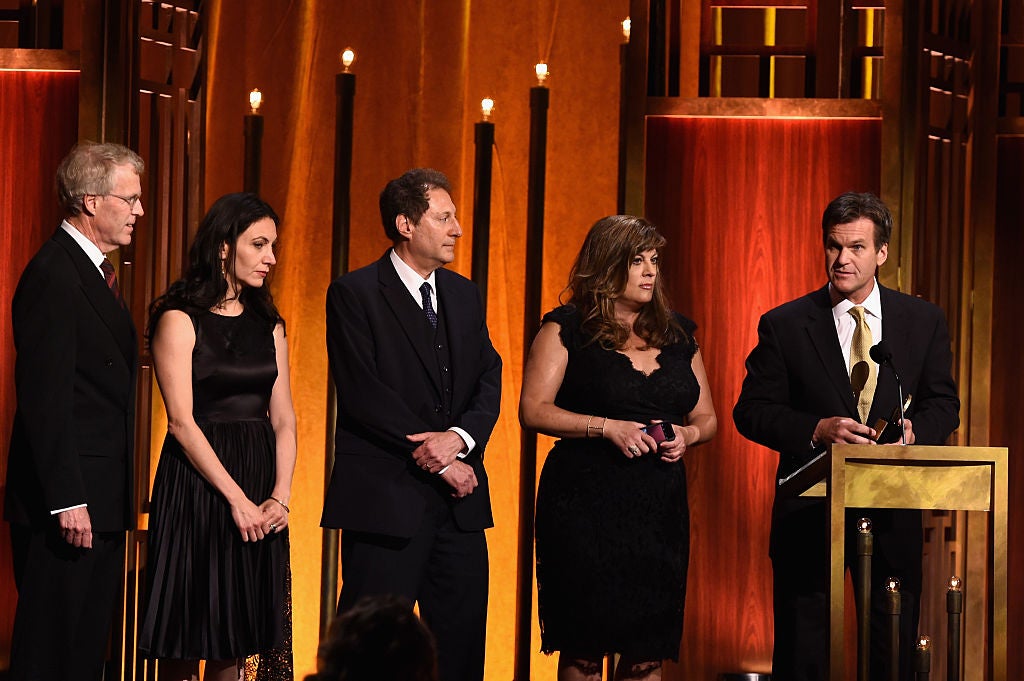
x,y
443,569
66,600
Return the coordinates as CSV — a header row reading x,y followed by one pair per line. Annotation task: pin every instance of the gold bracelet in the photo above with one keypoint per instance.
x,y
283,505
589,419
603,424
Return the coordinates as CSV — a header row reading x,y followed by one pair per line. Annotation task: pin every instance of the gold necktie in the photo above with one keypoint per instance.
x,y
863,382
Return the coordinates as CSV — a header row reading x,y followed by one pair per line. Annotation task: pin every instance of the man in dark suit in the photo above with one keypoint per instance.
x,y
798,397
419,387
69,475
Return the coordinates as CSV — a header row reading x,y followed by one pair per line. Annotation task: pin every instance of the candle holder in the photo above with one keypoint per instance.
x,y
894,608
531,316
954,610
345,92
923,658
253,131
484,138
865,549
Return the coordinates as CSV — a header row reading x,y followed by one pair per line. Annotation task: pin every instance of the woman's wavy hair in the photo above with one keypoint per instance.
x,y
599,277
203,285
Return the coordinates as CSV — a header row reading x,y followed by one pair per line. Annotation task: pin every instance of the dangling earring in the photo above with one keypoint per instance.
x,y
223,272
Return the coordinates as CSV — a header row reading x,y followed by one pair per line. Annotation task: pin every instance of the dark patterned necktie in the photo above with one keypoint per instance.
x,y
428,307
111,278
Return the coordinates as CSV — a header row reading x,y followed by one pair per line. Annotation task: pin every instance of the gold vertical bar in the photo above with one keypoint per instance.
x,y
769,41
716,60
869,41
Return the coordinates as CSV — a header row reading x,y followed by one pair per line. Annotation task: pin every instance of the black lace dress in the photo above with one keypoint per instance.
x,y
211,595
612,532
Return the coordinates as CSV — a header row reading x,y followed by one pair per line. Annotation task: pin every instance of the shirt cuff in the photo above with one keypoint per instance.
x,y
61,510
470,442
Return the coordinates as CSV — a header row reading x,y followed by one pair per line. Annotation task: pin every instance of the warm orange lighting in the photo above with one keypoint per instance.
x,y
954,583
542,73
625,28
892,584
348,55
255,100
486,107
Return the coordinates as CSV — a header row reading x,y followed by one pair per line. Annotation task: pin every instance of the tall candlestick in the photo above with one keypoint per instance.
x,y
954,608
893,608
484,137
923,658
345,92
253,131
865,549
531,316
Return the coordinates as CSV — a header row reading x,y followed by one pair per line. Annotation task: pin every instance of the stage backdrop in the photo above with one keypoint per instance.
x,y
38,126
421,70
740,201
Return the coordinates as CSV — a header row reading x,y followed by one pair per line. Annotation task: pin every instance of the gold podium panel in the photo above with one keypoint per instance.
x,y
913,477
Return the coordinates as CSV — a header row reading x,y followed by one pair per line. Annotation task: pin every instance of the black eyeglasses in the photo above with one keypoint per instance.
x,y
130,200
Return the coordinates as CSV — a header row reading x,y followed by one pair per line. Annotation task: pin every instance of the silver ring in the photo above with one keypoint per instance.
x,y
273,527
634,450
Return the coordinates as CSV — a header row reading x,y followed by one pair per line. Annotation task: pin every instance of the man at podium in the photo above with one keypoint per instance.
x,y
811,381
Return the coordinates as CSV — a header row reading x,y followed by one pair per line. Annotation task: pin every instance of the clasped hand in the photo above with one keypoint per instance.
x,y
258,522
634,442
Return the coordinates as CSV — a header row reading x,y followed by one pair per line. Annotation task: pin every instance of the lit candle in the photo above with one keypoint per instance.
x,y
923,658
348,56
486,107
542,73
954,606
625,28
253,132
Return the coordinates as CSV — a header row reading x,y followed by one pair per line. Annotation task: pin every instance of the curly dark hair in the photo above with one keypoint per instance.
x,y
379,639
407,195
599,276
203,285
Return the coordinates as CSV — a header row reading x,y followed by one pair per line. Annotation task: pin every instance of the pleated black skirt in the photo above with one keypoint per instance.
x,y
211,595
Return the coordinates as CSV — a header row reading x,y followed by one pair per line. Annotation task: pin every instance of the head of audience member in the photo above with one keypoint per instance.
x,y
99,187
230,258
601,275
379,639
418,215
856,229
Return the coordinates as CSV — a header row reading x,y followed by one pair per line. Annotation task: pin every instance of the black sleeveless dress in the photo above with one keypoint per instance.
x,y
613,533
211,595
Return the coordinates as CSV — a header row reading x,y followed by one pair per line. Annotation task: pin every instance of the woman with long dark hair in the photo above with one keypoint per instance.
x,y
218,542
619,378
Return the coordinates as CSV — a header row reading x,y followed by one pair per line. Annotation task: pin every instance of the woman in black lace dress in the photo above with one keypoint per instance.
x,y
218,545
612,519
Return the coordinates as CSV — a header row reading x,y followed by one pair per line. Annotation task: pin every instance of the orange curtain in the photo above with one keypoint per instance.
x,y
740,201
422,69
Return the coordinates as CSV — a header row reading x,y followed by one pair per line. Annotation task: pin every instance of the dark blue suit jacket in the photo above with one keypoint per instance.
x,y
385,372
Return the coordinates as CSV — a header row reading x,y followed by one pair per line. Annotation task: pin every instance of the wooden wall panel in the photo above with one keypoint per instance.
x,y
740,201
38,126
1007,370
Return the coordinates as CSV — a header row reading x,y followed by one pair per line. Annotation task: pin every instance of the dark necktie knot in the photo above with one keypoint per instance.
x,y
428,306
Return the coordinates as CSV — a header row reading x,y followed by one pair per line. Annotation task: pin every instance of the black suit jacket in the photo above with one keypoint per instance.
x,y
384,369
796,375
73,435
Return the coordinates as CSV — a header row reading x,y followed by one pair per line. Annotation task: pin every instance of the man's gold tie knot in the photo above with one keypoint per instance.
x,y
863,372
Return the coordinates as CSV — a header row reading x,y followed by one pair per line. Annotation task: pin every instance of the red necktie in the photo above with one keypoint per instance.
x,y
108,274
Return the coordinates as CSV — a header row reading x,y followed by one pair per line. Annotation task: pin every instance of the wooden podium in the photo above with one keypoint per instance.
x,y
928,478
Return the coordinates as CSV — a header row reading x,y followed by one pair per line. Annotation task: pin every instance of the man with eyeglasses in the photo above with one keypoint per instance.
x,y
69,475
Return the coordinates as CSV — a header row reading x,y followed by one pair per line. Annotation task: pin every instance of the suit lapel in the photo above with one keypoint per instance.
x,y
821,328
409,315
99,296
